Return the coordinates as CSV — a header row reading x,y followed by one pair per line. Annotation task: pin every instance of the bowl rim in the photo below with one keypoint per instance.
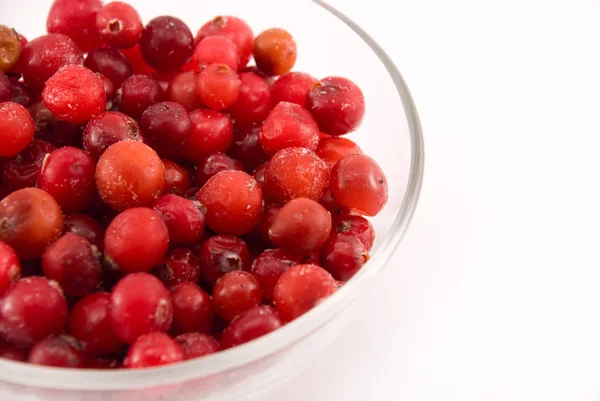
x,y
106,380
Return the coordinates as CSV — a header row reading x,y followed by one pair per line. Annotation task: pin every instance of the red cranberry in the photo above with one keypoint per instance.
x,y
233,29
31,310
222,254
16,128
269,266
343,255
179,266
196,345
139,304
60,352
331,204
5,88
288,125
177,178
274,51
246,147
139,92
254,101
76,19
107,129
111,63
90,323
10,268
193,309
183,218
212,164
13,353
292,87
167,126
22,170
235,293
154,349
21,94
332,149
251,325
119,24
212,132
358,226
218,86
182,90
138,64
86,227
217,49
166,43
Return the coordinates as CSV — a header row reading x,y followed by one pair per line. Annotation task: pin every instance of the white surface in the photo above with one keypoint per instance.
x,y
494,295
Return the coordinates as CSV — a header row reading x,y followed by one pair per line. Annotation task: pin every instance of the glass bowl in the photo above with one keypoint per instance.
x,y
328,44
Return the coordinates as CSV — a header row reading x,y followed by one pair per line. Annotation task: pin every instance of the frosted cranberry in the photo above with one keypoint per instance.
x,y
235,293
217,49
44,56
269,266
193,309
332,149
31,310
16,128
90,323
154,349
86,227
210,165
179,266
107,129
5,88
183,218
139,92
68,175
139,304
129,250
292,87
177,178
288,125
233,200
356,225
343,255
21,94
337,105
13,353
60,352
222,254
10,48
129,174
218,86
212,132
274,51
196,345
251,325
294,173
30,220
266,219
76,19
119,24
246,147
138,64
234,29
111,63
164,36
10,268
254,101
75,94
182,90
167,126
22,170
358,182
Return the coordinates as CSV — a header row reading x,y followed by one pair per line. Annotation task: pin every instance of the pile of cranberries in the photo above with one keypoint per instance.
x,y
161,199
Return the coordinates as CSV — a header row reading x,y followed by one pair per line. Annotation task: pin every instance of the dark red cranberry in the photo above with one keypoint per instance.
x,y
86,227
119,24
139,92
107,129
16,128
153,349
177,178
193,309
21,94
212,132
246,147
235,293
10,268
5,88
13,353
213,164
234,29
49,129
23,169
218,86
343,255
266,219
269,266
110,91
167,126
251,325
356,225
217,49
179,266
196,345
254,101
288,125
183,218
60,352
222,254
111,63
166,43
76,19
182,90
292,87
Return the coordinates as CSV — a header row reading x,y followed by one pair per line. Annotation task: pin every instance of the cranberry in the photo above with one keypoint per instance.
x,y
44,56
196,345
10,268
300,289
218,86
337,104
343,255
167,126
259,173
331,204
183,218
358,182
164,78
358,226
266,219
274,51
22,170
139,92
251,325
182,90
68,175
294,173
235,293
210,165
269,266
10,50
222,254
139,304
13,353
31,310
21,94
75,94
288,125
30,220
233,29
177,178
129,174
111,63
246,147
90,323
5,88
233,200
76,19
217,49
179,266
193,309
107,129
86,227
292,87
129,250
60,352
332,149
212,132
138,64
166,43
110,91
154,349
254,101
58,133
16,128
119,24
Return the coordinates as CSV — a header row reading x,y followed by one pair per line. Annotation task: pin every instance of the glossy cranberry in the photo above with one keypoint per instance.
x,y
76,19
212,132
129,174
254,101
111,63
10,268
49,129
269,266
259,173
218,86
356,225
164,36
332,149
10,49
16,128
182,90
288,125
45,55
13,353
292,87
68,175
193,309
5,88
233,200
139,304
251,325
90,323
21,94
246,147
107,129
235,293
129,250
30,220
167,126
177,178
196,345
183,218
343,255
86,227
179,266
217,49
139,92
154,349
358,182
60,352
274,51
212,164
119,24
31,310
233,29
222,254
22,170
294,173
138,64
